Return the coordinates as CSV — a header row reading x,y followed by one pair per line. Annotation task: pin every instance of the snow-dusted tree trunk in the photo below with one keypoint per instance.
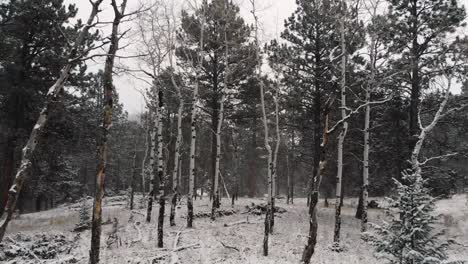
x,y
270,168
314,197
54,94
193,128
152,167
148,144
365,161
216,198
366,131
275,156
161,191
175,172
106,125
341,138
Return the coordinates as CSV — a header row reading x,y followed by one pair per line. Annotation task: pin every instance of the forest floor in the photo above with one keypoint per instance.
x,y
47,237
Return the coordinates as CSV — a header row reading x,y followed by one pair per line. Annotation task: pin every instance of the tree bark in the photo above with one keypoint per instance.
x,y
54,94
143,163
341,138
106,125
175,172
313,221
161,191
270,166
216,197
153,181
193,124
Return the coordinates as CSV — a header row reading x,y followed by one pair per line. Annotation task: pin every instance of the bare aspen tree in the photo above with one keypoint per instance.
x,y
152,166
160,192
216,198
270,168
367,115
155,53
108,87
193,123
342,135
178,143
54,94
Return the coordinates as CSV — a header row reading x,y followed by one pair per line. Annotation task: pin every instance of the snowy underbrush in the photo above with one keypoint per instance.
x,y
235,238
22,248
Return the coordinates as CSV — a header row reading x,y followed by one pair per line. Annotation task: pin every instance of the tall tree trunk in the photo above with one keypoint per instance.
x,y
270,166
175,172
313,221
216,196
193,124
161,191
106,125
275,157
54,95
143,163
415,79
341,138
365,168
153,169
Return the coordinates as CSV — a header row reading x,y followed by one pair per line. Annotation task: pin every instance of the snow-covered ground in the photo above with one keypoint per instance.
x,y
213,242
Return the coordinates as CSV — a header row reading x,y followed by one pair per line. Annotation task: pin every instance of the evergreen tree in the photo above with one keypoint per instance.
x,y
240,60
416,33
410,237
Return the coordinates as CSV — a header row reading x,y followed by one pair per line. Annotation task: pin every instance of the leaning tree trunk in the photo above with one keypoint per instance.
x,y
341,138
317,179
275,159
193,128
106,125
54,94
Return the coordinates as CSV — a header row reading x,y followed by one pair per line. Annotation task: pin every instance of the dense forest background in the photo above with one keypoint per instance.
x,y
34,41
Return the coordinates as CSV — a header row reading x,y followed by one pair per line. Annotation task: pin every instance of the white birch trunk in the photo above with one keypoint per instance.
x,y
143,163
365,160
365,173
341,138
270,168
175,172
153,163
193,123
161,178
216,198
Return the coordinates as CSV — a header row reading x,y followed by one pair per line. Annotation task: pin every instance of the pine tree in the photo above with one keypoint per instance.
x,y
416,33
409,236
